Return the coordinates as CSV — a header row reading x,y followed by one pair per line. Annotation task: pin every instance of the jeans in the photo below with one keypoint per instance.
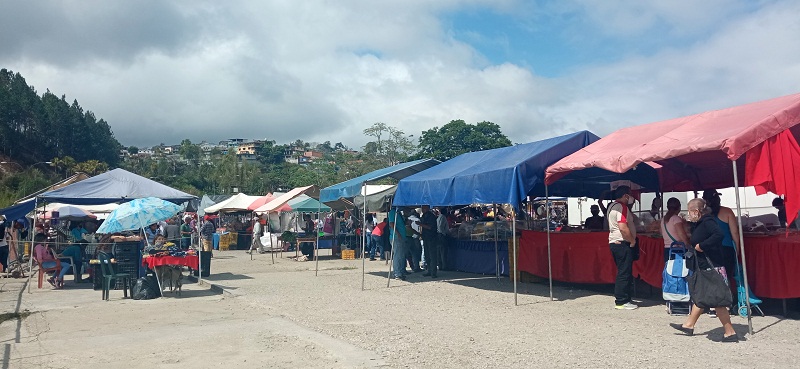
x,y
399,250
442,246
377,245
65,267
623,258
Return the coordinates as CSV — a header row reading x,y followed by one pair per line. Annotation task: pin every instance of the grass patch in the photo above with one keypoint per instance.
x,y
13,316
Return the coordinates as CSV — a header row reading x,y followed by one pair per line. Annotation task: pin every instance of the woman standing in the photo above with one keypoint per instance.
x,y
706,239
672,226
726,221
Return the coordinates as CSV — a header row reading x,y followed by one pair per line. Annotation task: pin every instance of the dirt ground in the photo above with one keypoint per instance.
x,y
256,314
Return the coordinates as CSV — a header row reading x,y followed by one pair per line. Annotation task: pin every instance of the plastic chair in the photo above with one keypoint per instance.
x,y
110,275
42,270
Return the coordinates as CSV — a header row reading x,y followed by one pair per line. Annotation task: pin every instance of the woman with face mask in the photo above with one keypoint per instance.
x,y
706,239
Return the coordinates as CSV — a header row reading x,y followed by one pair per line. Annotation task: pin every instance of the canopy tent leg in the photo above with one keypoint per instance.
x,y
496,248
549,258
741,249
364,238
271,245
316,244
32,231
514,236
391,253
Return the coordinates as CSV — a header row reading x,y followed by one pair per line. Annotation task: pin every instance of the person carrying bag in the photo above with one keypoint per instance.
x,y
708,286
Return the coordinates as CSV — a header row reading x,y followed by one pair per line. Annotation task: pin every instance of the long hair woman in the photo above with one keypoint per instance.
x,y
706,239
672,226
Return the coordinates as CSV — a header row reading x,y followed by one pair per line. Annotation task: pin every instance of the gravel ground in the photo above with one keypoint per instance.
x,y
283,316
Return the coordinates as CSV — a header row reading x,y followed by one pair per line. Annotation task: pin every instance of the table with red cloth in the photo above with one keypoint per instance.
x,y
773,261
191,261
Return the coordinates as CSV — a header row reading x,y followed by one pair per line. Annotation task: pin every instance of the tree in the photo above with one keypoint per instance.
x,y
377,130
190,152
133,150
458,137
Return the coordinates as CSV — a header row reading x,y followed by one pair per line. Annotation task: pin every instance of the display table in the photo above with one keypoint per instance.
x,y
773,261
191,261
477,256
773,265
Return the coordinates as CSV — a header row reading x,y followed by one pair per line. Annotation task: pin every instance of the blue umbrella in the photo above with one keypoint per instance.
x,y
137,214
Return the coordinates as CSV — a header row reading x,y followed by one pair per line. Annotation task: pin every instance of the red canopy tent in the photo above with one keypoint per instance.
x,y
698,150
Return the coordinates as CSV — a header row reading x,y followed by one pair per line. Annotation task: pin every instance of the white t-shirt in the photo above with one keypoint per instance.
x,y
619,213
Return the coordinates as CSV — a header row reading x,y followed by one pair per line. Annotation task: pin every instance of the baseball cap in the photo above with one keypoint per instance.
x,y
707,194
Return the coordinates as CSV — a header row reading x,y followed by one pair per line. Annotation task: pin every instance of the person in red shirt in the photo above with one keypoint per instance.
x,y
377,240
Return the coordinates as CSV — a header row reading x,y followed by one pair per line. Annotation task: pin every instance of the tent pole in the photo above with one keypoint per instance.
x,y
496,248
549,257
514,236
316,244
271,245
741,248
30,249
364,238
391,253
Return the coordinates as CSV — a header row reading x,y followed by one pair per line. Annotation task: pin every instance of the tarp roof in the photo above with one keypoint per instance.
x,y
209,200
238,202
306,204
698,148
350,188
280,201
379,198
117,185
17,211
504,176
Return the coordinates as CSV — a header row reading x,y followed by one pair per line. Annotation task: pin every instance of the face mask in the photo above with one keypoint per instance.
x,y
631,200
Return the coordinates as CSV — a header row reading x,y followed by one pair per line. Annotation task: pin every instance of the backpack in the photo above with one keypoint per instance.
x,y
146,288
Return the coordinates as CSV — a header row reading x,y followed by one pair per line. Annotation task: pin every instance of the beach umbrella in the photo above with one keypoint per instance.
x,y
137,214
69,212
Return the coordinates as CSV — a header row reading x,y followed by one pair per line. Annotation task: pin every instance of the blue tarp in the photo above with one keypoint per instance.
x,y
351,188
503,176
116,185
17,211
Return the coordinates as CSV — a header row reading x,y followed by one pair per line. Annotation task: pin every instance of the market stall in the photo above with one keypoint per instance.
x,y
703,152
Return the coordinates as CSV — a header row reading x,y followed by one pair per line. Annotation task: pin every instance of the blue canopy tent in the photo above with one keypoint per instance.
x,y
501,176
17,211
349,189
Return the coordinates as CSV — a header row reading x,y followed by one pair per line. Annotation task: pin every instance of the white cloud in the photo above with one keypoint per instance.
x,y
320,71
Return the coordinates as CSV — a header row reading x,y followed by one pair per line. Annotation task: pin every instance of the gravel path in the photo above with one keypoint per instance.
x,y
283,316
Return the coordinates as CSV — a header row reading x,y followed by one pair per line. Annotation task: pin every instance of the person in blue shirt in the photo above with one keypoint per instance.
x,y
397,237
78,231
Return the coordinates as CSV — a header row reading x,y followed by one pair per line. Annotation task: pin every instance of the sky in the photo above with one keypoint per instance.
x,y
323,70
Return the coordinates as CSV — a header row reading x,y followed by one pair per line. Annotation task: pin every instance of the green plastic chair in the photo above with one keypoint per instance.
x,y
109,276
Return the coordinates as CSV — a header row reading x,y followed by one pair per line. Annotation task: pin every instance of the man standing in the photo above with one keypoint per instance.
x,y
186,233
397,238
621,239
594,222
255,243
172,231
207,233
430,241
413,240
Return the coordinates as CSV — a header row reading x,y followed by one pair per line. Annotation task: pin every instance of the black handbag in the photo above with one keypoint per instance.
x,y
707,287
636,251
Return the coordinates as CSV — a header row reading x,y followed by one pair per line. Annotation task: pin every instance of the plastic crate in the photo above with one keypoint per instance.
x,y
348,254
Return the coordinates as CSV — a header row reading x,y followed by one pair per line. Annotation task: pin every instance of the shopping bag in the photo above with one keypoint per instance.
x,y
708,287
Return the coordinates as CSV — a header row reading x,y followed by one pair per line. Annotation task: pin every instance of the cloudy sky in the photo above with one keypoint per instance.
x,y
318,70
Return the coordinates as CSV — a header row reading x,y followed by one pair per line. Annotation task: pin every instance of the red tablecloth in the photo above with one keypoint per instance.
x,y
773,262
191,261
773,265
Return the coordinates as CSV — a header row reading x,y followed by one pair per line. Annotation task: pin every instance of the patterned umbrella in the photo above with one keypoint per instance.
x,y
137,214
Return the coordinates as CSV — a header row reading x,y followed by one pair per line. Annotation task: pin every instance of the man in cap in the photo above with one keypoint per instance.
x,y
621,239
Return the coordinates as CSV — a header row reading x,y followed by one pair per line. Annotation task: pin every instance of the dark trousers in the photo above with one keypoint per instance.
x,y
415,251
431,254
623,258
443,242
4,257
